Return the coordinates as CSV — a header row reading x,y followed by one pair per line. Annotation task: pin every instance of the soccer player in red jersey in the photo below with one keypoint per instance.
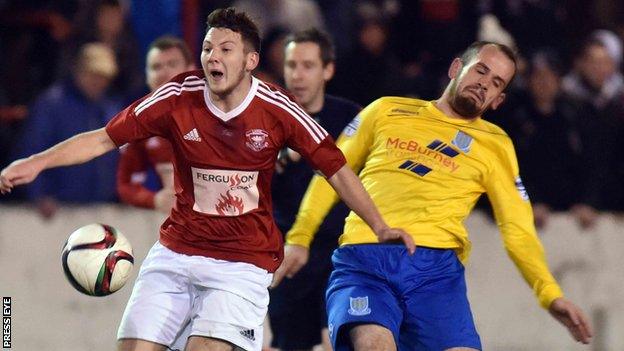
x,y
219,247
167,57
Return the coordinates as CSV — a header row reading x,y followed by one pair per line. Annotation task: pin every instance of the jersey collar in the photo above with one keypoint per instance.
x,y
441,115
226,116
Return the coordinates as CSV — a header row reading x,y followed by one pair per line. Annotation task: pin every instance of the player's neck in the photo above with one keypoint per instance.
x,y
444,105
231,99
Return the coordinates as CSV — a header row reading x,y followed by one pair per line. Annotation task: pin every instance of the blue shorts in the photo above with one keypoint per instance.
x,y
421,298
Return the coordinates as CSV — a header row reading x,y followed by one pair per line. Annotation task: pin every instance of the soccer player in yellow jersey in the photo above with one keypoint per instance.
x,y
425,164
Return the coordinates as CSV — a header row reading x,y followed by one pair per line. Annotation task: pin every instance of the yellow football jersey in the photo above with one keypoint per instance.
x,y
425,171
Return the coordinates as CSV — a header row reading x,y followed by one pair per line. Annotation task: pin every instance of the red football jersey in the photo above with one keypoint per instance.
x,y
135,160
223,164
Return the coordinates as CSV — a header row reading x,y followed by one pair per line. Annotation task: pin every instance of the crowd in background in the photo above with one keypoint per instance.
x,y
69,65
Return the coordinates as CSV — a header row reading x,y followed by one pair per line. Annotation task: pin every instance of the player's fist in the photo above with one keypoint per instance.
x,y
295,257
22,171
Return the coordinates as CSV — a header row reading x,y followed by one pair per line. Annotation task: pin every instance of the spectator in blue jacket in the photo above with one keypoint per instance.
x,y
69,107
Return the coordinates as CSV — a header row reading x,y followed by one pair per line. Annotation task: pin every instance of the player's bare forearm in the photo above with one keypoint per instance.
x,y
77,149
352,192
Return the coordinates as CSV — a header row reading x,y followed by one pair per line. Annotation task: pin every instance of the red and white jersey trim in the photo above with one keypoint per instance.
x,y
258,88
191,83
281,100
226,116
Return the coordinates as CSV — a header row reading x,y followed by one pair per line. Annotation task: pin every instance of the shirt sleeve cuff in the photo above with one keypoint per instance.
x,y
548,295
297,237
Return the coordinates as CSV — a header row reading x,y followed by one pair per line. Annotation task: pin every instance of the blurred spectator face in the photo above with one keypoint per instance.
x,y
373,37
596,66
95,70
304,72
478,85
544,82
92,84
110,21
163,65
225,60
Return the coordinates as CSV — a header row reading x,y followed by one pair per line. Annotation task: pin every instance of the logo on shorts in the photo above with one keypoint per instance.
x,y
359,306
249,334
330,329
256,139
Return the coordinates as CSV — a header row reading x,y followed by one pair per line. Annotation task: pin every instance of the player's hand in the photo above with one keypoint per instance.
x,y
22,171
388,234
295,257
164,200
573,318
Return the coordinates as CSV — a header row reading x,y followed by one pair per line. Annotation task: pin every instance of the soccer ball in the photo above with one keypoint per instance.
x,y
97,259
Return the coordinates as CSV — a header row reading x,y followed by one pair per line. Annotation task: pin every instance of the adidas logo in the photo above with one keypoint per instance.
x,y
192,135
249,334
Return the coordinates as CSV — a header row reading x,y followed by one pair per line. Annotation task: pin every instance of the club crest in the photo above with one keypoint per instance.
x,y
256,139
462,141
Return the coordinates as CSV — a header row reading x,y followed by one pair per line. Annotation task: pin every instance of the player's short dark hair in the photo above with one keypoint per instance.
x,y
474,48
237,22
167,42
320,38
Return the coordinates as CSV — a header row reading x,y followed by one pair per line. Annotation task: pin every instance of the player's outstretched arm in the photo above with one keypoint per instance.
x,y
352,192
571,316
77,149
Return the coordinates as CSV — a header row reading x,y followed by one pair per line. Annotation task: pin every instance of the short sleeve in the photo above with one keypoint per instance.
x,y
312,141
137,122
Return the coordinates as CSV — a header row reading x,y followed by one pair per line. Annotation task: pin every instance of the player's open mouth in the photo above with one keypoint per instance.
x,y
216,74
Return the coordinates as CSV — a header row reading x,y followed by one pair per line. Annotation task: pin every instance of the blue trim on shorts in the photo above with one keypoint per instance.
x,y
420,298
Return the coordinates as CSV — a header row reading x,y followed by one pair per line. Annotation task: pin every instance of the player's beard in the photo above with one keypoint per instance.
x,y
236,82
465,106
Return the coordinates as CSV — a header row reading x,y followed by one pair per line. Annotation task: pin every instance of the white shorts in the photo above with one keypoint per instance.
x,y
177,295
